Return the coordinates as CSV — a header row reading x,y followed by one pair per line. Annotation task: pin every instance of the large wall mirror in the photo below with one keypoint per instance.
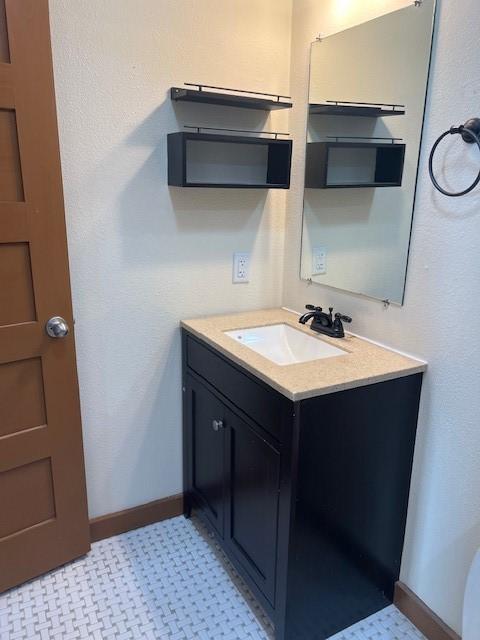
x,y
366,107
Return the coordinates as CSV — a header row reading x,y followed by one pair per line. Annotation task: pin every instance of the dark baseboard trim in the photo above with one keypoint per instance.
x,y
422,616
114,523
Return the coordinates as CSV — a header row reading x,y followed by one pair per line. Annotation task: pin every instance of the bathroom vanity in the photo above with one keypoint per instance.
x,y
301,471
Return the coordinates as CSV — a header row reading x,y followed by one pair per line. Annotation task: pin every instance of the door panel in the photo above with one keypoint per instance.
x,y
208,452
43,520
26,496
254,489
17,302
4,48
22,400
11,181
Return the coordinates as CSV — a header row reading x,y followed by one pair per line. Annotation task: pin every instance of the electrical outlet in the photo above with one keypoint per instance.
x,y
241,267
319,261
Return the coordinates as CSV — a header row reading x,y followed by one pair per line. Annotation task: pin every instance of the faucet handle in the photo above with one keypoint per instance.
x,y
311,307
338,326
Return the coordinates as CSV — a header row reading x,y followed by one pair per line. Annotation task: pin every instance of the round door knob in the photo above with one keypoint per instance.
x,y
217,425
57,327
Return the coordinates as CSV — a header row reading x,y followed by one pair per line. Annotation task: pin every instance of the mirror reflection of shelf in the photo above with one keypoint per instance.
x,y
213,160
340,164
229,97
358,109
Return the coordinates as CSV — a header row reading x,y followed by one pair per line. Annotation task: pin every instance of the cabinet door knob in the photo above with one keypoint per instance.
x,y
217,425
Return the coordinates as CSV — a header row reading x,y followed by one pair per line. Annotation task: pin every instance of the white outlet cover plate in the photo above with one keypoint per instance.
x,y
241,267
319,261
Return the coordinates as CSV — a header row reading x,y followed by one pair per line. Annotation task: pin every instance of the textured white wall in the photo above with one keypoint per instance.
x,y
142,255
439,320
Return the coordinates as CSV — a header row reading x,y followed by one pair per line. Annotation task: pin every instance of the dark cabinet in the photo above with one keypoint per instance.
x,y
253,488
206,417
309,498
234,476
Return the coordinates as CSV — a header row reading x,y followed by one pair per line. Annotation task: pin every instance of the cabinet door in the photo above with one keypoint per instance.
x,y
254,476
206,435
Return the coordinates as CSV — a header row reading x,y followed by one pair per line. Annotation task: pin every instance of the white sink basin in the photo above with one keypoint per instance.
x,y
283,344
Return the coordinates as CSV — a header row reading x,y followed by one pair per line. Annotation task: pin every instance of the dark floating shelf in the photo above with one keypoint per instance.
x,y
256,100
358,109
348,165
210,160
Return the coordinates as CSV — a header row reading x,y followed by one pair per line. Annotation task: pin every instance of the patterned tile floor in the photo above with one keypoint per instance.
x,y
163,582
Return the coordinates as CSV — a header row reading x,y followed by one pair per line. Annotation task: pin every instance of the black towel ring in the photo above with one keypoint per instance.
x,y
470,132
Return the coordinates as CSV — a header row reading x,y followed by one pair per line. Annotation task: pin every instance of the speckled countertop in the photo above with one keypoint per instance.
x,y
365,363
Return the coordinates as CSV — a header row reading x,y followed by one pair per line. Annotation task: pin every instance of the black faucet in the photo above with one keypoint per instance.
x,y
325,323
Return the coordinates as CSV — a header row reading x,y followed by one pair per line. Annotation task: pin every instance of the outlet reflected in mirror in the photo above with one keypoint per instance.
x,y
366,108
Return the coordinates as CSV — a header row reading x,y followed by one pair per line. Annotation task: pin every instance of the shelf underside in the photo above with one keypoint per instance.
x,y
179,94
364,111
233,185
357,185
